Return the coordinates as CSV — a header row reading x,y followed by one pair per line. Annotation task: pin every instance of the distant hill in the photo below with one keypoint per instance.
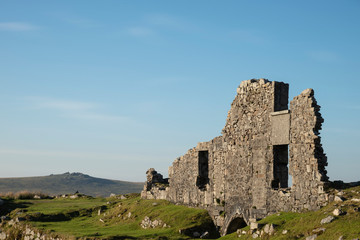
x,y
67,183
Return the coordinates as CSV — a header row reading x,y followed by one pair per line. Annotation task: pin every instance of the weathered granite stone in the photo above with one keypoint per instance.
x,y
244,173
319,230
254,225
338,199
312,237
269,229
328,219
337,212
205,235
147,223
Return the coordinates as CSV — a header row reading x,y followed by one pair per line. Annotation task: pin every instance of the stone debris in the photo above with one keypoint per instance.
x,y
112,195
328,219
147,223
355,199
205,235
319,230
269,229
341,193
312,237
338,199
122,197
337,212
254,225
30,234
3,236
284,232
250,159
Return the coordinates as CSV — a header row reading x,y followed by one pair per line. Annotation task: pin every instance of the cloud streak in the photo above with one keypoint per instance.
x,y
74,109
63,105
17,26
68,154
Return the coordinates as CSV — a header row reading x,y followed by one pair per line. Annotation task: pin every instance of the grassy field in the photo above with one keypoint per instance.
x,y
116,218
111,218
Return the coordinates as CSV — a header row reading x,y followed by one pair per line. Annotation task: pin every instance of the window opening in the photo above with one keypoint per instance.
x,y
280,168
203,170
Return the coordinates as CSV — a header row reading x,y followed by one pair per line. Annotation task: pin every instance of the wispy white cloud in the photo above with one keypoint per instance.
x,y
68,154
139,31
101,117
17,26
323,56
73,109
65,105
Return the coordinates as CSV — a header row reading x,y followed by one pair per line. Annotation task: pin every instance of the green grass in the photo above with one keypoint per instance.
x,y
79,217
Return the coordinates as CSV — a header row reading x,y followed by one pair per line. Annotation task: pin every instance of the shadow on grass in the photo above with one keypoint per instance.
x,y
10,205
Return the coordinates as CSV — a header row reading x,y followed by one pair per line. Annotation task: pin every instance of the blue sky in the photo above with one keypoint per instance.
x,y
112,88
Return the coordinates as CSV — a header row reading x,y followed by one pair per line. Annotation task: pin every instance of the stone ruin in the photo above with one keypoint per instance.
x,y
244,174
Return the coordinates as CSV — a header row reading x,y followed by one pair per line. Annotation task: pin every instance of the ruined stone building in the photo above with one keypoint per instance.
x,y
244,173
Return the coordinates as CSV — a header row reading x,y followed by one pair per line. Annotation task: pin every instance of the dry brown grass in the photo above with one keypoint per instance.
x,y
23,195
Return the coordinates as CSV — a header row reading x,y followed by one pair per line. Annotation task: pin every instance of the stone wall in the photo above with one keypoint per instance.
x,y
243,174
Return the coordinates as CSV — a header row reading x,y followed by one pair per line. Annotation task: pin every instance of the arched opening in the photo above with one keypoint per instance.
x,y
235,224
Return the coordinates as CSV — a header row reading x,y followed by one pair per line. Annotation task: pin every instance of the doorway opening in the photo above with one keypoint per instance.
x,y
236,224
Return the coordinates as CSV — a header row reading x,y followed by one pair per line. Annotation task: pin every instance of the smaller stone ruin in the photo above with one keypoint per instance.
x,y
269,158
